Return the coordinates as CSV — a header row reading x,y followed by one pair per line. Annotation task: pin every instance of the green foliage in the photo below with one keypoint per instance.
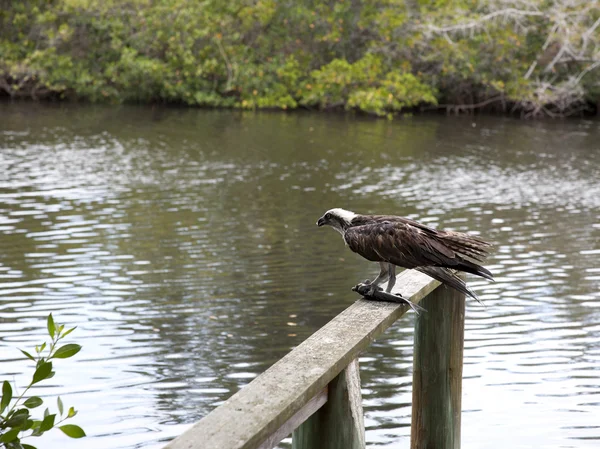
x,y
16,422
377,56
366,85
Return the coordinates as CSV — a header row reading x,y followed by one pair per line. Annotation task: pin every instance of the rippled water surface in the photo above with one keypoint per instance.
x,y
183,246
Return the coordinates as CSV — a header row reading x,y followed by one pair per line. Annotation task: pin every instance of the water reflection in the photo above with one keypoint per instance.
x,y
182,244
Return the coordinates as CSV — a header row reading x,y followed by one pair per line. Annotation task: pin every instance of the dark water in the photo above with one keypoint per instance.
x,y
183,245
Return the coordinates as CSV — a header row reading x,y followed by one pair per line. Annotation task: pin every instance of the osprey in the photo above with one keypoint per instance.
x,y
396,241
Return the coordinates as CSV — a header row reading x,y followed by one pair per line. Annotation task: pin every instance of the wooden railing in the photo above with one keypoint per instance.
x,y
314,393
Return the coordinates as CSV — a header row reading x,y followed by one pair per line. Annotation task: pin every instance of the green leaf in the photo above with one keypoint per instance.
x,y
60,405
51,326
18,418
33,402
66,351
6,395
28,355
72,412
69,331
28,446
42,372
72,430
47,423
9,436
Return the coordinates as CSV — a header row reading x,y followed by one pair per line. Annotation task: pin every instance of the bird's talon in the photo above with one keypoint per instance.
x,y
358,287
373,289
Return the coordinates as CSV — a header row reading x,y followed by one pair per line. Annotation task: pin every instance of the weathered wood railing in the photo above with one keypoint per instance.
x,y
314,391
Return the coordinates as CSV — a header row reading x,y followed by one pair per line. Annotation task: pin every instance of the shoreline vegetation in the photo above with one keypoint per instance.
x,y
381,57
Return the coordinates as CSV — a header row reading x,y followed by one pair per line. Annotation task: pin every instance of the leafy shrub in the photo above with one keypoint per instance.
x,y
376,56
365,85
16,422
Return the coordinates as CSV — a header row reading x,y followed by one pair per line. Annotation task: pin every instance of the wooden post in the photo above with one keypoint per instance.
x,y
339,424
437,371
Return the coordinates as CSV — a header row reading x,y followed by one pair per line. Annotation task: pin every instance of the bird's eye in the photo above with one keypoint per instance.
x,y
327,216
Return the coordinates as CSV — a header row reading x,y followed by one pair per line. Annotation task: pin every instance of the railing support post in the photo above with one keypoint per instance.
x,y
339,424
437,371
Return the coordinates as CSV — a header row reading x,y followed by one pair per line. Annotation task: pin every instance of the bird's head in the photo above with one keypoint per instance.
x,y
339,219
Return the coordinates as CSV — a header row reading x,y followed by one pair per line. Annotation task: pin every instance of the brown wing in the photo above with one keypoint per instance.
x,y
464,245
409,246
398,243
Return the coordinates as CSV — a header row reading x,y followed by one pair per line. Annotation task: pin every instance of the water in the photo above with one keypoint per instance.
x,y
183,245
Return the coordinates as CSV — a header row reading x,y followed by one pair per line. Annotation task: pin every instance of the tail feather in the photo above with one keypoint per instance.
x,y
470,267
471,250
467,245
447,277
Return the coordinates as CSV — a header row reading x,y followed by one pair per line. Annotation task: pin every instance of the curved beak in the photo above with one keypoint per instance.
x,y
321,221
